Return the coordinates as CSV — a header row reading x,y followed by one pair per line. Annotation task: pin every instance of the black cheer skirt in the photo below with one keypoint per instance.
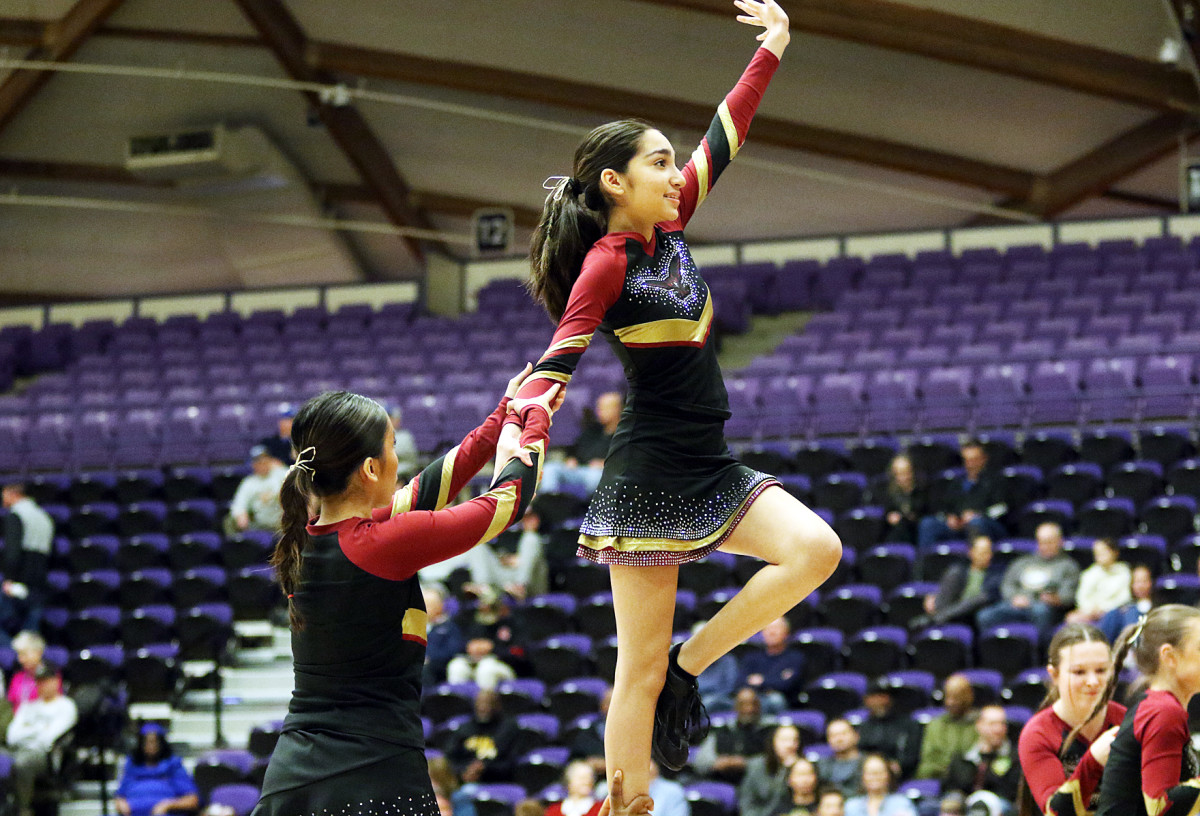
x,y
671,492
331,774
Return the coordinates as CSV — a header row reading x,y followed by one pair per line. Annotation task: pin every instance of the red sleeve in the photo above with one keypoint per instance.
x,y
1038,749
726,134
599,285
395,546
435,486
1160,726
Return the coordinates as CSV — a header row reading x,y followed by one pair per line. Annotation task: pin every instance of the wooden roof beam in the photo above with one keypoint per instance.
x,y
984,45
59,41
349,129
548,90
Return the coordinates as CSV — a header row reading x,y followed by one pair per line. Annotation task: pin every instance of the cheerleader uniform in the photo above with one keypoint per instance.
x,y
1152,767
1062,786
352,742
671,492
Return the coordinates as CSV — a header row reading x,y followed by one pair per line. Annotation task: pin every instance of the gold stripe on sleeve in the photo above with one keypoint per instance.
x,y
700,162
506,500
579,341
446,478
402,499
731,134
415,625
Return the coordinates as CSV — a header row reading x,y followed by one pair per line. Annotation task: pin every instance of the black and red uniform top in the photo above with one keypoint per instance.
x,y
1152,767
647,298
1062,786
359,655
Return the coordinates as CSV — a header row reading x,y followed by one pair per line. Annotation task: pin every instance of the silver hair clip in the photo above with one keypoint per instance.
x,y
558,184
304,464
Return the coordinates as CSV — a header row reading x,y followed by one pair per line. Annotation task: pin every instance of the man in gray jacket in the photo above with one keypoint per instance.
x,y
28,536
1038,588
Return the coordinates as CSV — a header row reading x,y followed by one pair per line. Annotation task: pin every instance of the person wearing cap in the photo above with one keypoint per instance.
x,y
255,505
34,730
895,735
154,780
280,444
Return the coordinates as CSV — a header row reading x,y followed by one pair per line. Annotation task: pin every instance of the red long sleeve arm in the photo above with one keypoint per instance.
x,y
1161,727
1055,793
726,134
435,486
396,545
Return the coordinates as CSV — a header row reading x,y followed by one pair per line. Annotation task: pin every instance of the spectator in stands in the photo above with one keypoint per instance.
x,y
581,799
972,505
991,763
843,769
580,471
520,571
950,733
1038,588
407,455
28,537
529,807
255,505
1141,588
31,649
719,682
668,795
726,749
1064,746
482,748
588,743
886,731
764,788
280,443
802,785
1103,586
445,639
878,797
964,589
905,502
154,780
477,664
832,802
776,672
494,651
35,728
454,798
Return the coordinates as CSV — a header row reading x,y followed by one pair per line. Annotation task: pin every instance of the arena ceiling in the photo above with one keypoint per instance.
x,y
884,116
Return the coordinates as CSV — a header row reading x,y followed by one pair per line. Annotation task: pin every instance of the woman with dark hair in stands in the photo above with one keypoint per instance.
x,y
1065,745
154,780
1152,767
352,741
610,255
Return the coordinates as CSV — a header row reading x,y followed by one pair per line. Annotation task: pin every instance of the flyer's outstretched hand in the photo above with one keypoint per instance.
x,y
614,804
768,15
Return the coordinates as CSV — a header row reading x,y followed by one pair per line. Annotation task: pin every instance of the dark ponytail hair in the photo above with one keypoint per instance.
x,y
1067,636
575,215
343,430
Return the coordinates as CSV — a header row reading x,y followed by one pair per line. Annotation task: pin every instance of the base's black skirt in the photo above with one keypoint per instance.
x,y
671,492
328,774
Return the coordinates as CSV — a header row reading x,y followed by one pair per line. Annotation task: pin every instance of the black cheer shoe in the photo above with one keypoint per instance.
x,y
680,720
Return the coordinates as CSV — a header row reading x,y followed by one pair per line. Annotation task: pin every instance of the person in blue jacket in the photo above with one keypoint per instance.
x,y
154,780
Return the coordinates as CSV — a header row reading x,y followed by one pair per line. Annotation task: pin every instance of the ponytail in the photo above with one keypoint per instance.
x,y
334,432
561,240
292,538
575,215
